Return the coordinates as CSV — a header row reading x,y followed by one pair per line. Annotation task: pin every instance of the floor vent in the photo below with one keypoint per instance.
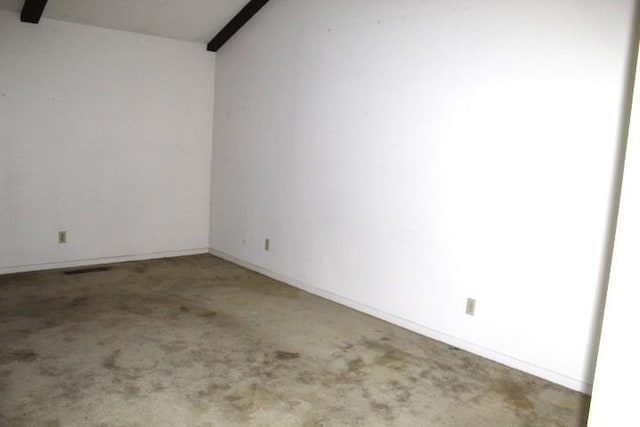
x,y
86,270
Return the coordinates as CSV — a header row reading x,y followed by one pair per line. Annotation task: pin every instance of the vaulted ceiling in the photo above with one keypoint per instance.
x,y
191,20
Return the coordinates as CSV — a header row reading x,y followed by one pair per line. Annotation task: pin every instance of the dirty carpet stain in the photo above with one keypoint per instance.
x,y
285,355
109,362
208,314
515,395
23,355
151,336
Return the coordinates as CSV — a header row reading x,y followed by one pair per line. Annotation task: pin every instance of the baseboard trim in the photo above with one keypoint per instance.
x,y
521,365
95,261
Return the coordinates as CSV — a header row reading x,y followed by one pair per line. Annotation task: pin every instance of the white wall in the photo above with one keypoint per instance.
x,y
106,135
617,376
404,155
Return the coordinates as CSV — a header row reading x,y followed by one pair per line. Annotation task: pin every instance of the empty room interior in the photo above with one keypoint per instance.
x,y
319,212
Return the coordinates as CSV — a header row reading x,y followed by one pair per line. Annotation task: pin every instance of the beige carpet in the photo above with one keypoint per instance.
x,y
197,341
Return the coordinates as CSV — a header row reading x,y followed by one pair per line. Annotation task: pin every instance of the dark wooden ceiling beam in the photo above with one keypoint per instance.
x,y
235,24
32,11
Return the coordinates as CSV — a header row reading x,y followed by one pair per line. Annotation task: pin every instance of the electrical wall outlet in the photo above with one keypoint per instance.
x,y
267,244
471,307
62,237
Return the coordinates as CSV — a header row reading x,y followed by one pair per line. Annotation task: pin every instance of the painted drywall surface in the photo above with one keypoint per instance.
x,y
614,399
408,155
104,134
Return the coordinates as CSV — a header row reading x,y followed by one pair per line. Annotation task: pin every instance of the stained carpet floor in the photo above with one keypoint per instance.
x,y
197,341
